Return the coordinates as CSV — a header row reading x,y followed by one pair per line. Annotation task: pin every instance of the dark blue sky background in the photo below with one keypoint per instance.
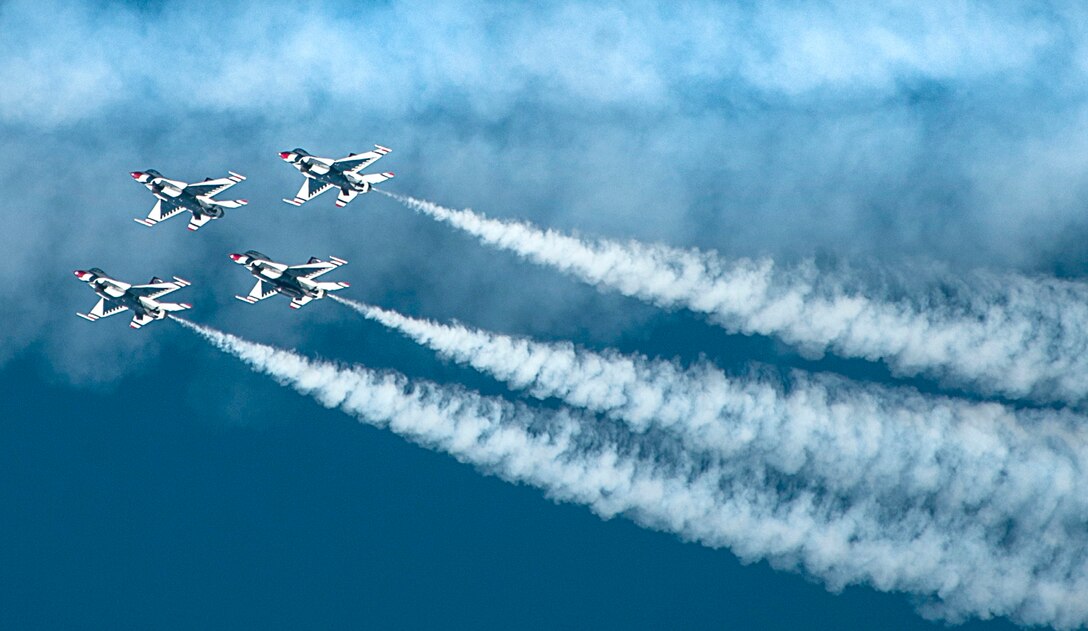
x,y
148,481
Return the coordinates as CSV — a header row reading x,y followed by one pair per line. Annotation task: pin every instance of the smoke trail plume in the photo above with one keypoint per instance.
x,y
958,567
892,444
1007,334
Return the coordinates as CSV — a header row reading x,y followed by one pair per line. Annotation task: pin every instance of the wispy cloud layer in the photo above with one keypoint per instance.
x,y
947,132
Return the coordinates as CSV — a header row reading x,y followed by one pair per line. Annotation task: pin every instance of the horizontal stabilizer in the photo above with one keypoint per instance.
x,y
175,306
301,301
332,285
374,178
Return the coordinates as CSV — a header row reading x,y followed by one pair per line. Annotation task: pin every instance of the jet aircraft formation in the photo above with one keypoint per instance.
x,y
173,197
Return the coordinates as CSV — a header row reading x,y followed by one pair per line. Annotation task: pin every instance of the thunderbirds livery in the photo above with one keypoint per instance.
x,y
295,281
118,296
343,174
175,197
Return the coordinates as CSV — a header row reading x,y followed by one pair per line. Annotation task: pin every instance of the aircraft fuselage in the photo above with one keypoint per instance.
x,y
114,294
333,176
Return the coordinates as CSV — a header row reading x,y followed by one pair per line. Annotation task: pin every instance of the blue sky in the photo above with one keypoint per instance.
x,y
150,481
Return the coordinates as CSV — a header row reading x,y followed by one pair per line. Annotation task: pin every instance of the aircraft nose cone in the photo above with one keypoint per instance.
x,y
235,257
79,273
284,154
136,175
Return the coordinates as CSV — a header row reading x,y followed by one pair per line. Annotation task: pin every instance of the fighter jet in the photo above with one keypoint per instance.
x,y
118,296
175,196
323,174
294,281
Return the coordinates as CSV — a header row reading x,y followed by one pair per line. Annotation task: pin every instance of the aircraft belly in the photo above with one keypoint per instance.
x,y
288,289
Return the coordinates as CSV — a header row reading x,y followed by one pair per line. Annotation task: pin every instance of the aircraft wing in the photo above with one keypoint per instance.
x,y
259,292
358,161
310,189
99,311
210,188
317,267
160,212
157,290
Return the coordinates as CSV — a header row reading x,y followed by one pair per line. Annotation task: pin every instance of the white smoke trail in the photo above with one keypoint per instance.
x,y
1025,468
1007,334
957,566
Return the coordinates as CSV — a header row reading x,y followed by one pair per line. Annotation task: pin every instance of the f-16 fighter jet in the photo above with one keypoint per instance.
x,y
119,296
294,281
343,174
175,196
